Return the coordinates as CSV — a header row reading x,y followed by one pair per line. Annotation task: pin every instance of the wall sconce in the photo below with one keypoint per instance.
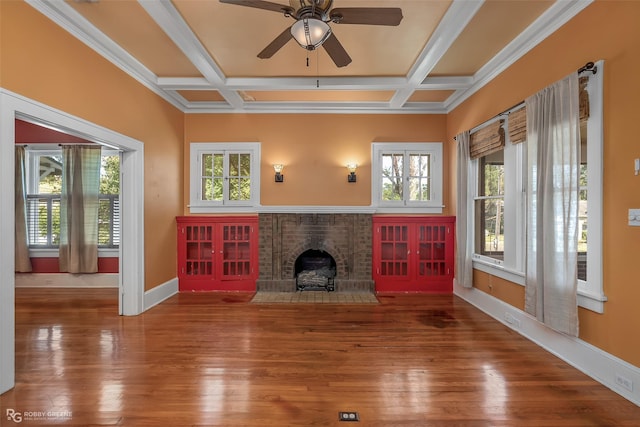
x,y
351,167
278,168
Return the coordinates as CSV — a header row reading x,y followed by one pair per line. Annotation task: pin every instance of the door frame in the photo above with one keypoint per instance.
x,y
131,252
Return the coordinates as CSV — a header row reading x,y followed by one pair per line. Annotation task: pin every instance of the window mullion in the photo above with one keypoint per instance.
x,y
225,178
198,188
406,174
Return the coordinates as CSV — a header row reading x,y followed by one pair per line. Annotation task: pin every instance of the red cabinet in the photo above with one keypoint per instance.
x,y
413,254
217,253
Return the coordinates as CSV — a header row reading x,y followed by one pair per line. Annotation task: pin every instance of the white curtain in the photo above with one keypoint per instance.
x,y
464,249
553,138
79,208
23,261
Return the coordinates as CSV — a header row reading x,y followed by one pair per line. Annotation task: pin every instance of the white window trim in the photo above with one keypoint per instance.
x,y
590,293
433,206
197,205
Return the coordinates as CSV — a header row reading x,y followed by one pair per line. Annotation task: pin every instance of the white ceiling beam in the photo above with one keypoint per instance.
x,y
164,13
446,83
286,83
321,108
452,24
326,83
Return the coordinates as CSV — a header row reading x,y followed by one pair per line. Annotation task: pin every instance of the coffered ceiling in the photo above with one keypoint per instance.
x,y
201,55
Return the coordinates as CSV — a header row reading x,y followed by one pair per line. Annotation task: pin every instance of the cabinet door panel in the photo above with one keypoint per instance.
x,y
236,253
394,253
431,252
199,247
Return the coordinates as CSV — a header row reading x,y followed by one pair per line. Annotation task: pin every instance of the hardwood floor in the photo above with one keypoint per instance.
x,y
215,359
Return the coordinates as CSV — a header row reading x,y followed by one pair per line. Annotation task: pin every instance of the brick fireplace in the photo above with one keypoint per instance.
x,y
346,237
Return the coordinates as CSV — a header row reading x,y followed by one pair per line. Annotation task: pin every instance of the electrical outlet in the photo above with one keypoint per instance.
x,y
624,382
510,319
348,416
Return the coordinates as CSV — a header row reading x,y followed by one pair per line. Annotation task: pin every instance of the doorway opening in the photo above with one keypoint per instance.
x,y
131,249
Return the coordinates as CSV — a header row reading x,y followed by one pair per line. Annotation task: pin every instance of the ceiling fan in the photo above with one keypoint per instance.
x,y
311,27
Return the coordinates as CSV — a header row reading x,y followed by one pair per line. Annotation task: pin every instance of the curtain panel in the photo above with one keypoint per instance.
x,y
22,259
517,124
553,138
464,222
79,208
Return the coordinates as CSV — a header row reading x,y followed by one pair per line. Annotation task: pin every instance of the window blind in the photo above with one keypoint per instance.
x,y
584,99
518,126
487,140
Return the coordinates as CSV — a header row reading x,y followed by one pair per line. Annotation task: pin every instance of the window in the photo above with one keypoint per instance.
x,y
407,176
489,206
224,175
498,202
44,185
499,198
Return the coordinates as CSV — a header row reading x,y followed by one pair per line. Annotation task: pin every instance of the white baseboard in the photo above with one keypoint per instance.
x,y
66,280
603,367
155,296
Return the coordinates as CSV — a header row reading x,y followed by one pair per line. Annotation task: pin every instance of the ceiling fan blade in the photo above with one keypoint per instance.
x,y
335,50
276,44
367,15
260,4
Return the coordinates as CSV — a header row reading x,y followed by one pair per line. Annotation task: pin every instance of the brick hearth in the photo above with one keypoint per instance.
x,y
346,237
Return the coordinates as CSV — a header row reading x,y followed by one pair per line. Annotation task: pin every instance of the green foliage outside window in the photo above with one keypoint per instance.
x,y
392,170
50,182
417,172
213,177
109,185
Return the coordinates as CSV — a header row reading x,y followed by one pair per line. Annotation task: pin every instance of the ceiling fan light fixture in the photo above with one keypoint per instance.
x,y
310,33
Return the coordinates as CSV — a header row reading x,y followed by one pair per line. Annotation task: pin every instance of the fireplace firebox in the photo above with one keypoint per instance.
x,y
315,270
341,240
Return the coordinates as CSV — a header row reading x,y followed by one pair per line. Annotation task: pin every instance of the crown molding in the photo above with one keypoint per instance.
x,y
70,20
546,24
170,20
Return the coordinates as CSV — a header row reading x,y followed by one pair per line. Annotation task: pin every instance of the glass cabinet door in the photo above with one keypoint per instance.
x,y
394,250
431,250
199,247
236,250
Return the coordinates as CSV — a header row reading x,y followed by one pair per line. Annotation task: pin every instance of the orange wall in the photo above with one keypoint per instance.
x,y
41,61
605,30
314,148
